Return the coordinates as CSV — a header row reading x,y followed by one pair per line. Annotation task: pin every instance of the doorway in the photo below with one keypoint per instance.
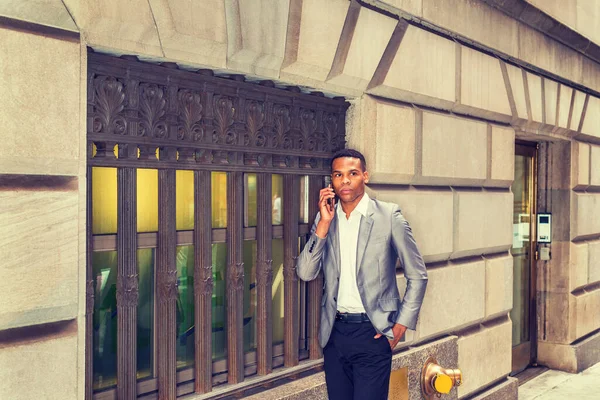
x,y
523,313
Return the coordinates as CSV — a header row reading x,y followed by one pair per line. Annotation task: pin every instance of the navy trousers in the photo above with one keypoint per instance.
x,y
357,366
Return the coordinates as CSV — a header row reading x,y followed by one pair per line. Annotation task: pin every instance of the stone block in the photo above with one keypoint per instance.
x,y
498,286
595,165
463,286
414,7
453,150
580,165
550,101
359,53
388,140
578,265
586,306
36,137
559,326
192,32
557,356
38,238
45,12
557,272
548,54
565,94
585,206
505,390
572,358
429,213
493,28
577,110
125,27
594,262
40,369
591,74
309,51
502,156
495,342
423,71
482,222
536,100
482,87
591,121
517,86
256,35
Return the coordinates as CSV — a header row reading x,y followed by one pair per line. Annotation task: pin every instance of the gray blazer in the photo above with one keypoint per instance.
x,y
383,237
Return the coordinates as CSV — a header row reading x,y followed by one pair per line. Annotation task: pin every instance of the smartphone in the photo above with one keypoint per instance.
x,y
327,183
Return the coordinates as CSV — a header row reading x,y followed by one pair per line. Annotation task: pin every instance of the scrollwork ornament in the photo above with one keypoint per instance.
x,y
224,111
109,103
168,286
255,119
330,121
235,277
264,274
282,121
127,290
190,115
152,111
203,281
308,124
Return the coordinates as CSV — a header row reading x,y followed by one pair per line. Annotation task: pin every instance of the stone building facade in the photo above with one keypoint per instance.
x,y
458,106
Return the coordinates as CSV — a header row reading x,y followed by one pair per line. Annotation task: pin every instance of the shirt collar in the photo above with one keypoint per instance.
x,y
361,207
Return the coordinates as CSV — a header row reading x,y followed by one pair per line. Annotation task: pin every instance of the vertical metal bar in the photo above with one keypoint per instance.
x,y
167,286
89,295
315,287
235,277
127,283
291,210
203,281
264,275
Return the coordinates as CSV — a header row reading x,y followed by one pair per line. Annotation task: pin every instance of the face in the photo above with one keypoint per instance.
x,y
348,179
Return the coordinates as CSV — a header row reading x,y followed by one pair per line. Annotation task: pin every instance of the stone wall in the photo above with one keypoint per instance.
x,y
436,118
42,214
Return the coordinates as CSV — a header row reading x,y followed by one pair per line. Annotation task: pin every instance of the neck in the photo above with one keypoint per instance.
x,y
348,207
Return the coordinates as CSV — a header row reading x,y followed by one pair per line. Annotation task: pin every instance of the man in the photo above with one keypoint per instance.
x,y
357,242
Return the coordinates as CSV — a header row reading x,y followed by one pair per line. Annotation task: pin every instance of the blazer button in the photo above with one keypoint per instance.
x,y
335,299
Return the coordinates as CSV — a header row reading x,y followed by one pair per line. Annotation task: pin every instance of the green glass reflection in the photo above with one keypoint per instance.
x,y
185,306
219,199
250,249
104,267
277,291
219,301
277,199
250,216
145,327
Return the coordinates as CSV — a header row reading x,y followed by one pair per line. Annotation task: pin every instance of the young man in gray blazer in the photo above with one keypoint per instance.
x,y
357,242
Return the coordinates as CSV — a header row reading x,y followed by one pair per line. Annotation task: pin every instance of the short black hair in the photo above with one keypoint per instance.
x,y
353,154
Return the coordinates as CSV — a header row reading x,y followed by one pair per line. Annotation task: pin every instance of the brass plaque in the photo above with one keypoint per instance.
x,y
399,384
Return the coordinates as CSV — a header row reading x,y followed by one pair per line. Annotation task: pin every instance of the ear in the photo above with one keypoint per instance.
x,y
366,175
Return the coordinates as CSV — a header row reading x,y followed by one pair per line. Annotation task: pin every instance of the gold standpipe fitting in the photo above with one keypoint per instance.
x,y
436,380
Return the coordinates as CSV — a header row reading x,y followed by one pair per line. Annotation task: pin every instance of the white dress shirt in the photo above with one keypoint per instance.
x,y
348,299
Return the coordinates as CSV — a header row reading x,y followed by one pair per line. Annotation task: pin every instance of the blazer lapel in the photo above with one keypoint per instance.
x,y
364,231
334,241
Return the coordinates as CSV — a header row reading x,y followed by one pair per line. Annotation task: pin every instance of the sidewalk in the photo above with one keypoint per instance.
x,y
558,385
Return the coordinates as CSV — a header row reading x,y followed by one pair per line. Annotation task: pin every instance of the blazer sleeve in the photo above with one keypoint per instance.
x,y
414,270
309,262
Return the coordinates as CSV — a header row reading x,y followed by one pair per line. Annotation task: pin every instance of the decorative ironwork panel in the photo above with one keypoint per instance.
x,y
207,121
